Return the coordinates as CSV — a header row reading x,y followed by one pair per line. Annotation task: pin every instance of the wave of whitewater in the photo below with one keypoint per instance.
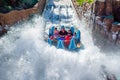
x,y
25,56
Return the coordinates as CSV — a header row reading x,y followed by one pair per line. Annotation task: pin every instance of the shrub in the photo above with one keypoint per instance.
x,y
80,2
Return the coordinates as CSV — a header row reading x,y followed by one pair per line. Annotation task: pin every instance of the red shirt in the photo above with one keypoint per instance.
x,y
67,37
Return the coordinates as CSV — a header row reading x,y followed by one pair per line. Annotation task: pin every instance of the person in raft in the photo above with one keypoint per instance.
x,y
63,33
56,33
68,37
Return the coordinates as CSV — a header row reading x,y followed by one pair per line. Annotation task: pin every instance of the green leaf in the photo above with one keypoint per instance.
x,y
80,2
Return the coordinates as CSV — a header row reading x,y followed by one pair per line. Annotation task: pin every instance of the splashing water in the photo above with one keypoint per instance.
x,y
25,56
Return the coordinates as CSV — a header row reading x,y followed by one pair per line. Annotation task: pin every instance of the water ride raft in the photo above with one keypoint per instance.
x,y
72,42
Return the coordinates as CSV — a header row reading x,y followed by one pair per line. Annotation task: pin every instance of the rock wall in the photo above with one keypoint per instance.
x,y
17,15
107,18
116,10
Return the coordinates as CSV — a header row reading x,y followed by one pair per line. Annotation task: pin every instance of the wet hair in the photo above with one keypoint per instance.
x,y
55,28
70,30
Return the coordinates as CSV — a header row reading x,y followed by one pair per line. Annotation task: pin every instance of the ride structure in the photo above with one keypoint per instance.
x,y
58,14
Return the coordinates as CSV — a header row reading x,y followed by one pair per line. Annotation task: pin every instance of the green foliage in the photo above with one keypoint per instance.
x,y
80,2
9,8
8,5
30,2
90,1
3,2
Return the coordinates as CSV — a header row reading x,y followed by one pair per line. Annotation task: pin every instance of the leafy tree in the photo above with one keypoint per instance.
x,y
8,5
30,2
81,2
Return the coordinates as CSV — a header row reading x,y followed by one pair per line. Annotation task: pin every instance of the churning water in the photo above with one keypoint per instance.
x,y
24,55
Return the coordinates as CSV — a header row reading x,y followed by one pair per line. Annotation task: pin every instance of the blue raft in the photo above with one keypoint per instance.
x,y
59,42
